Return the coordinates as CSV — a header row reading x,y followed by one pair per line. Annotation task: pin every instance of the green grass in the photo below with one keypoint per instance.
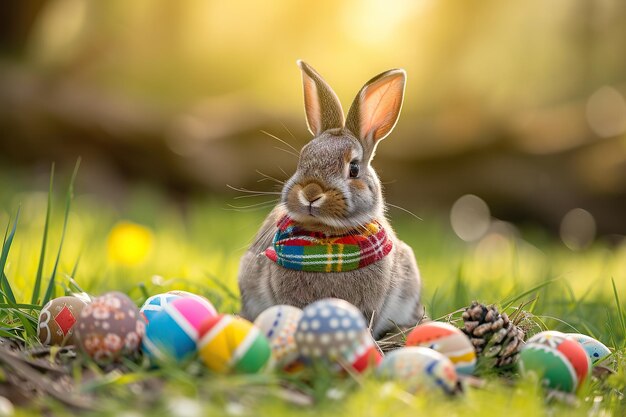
x,y
58,248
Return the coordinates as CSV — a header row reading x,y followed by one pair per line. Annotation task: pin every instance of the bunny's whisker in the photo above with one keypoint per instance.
x,y
287,151
256,206
268,177
245,190
283,171
405,210
288,131
281,141
239,197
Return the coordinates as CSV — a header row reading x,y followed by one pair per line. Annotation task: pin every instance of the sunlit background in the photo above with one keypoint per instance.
x,y
515,114
506,175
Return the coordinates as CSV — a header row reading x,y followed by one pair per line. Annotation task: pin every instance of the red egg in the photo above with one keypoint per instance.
x,y
567,346
446,339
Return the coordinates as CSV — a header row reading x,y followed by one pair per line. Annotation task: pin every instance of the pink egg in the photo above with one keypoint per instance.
x,y
173,332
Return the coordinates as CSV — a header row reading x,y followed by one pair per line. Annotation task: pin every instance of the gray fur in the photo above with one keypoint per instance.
x,y
388,291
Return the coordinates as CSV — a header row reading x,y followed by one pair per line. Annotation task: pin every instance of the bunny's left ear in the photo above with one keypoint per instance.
x,y
376,108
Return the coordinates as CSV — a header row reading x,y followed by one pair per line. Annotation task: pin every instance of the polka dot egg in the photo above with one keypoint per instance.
x,y
448,340
559,360
335,331
57,320
595,349
279,323
232,344
110,327
173,332
420,369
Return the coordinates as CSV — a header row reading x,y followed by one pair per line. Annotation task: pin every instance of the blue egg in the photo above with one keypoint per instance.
x,y
155,304
333,330
595,349
172,334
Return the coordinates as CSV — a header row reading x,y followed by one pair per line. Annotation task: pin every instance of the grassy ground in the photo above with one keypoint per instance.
x,y
197,248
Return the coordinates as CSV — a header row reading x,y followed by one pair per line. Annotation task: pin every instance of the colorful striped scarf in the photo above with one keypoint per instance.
x,y
298,249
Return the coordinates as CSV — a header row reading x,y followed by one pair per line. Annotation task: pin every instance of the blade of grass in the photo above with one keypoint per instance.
x,y
73,285
620,313
75,268
6,246
9,335
68,200
506,303
460,295
560,321
28,321
22,306
229,293
144,291
533,305
42,256
433,308
611,325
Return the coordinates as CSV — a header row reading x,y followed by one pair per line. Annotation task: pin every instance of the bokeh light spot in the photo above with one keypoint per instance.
x,y
578,229
606,112
470,217
129,243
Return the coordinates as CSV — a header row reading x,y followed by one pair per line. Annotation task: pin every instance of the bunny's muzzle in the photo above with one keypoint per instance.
x,y
311,201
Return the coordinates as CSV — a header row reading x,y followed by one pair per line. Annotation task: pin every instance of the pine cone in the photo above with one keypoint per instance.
x,y
493,335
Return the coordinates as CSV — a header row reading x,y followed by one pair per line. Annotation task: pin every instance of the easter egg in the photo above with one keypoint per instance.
x,y
173,332
448,340
187,294
335,332
278,324
57,320
420,368
233,344
182,293
155,304
595,349
365,355
559,360
110,327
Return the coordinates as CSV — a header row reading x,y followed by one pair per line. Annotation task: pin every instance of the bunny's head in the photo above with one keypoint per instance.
x,y
335,187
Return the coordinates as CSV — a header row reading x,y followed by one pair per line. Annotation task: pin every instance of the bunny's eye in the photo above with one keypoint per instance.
x,y
354,169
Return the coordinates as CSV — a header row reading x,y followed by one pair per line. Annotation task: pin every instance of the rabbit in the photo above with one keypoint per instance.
x,y
335,191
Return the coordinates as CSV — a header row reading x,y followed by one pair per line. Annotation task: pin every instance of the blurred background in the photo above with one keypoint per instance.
x,y
514,110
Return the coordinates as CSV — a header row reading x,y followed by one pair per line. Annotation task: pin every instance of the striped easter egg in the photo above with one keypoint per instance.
x,y
232,344
559,360
334,332
595,349
187,294
420,369
155,304
173,332
279,323
448,340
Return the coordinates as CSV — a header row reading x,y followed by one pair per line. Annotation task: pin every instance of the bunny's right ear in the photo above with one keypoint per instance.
x,y
321,105
375,110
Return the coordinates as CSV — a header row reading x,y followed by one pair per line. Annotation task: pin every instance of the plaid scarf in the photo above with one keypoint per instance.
x,y
302,250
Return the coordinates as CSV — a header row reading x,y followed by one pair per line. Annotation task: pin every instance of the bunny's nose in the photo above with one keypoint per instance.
x,y
312,195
